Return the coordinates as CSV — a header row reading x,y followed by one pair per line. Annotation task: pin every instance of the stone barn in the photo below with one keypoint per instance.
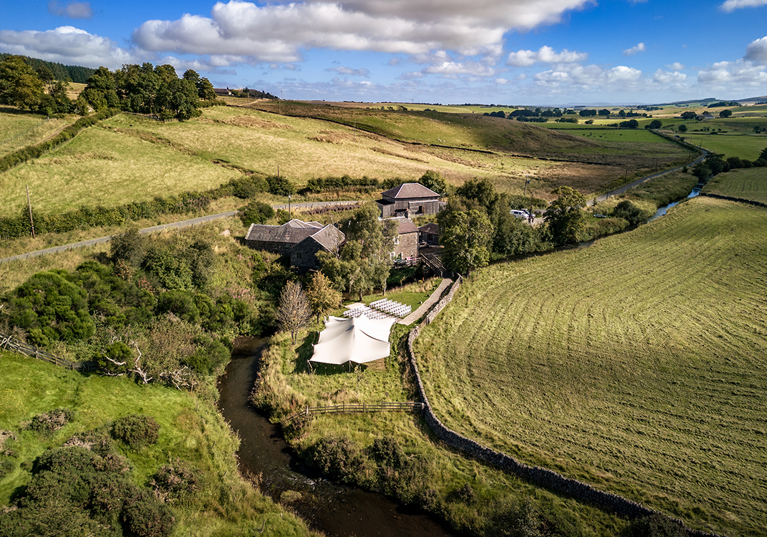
x,y
298,240
409,199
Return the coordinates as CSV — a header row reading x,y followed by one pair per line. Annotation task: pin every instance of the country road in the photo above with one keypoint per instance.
x,y
179,225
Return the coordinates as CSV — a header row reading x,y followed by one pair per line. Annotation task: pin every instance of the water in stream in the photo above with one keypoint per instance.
x,y
327,507
662,210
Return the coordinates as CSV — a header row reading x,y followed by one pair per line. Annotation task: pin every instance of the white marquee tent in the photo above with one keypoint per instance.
x,y
359,340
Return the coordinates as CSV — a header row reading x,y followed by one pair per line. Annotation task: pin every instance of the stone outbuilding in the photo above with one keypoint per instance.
x,y
409,199
428,235
297,239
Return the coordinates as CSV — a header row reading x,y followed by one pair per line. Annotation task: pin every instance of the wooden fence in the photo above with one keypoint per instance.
x,y
11,344
352,409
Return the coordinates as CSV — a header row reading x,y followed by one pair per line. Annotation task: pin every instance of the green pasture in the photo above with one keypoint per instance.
x,y
745,146
636,365
190,429
18,130
593,132
750,184
103,167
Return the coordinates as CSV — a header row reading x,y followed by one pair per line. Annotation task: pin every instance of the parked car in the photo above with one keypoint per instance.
x,y
520,214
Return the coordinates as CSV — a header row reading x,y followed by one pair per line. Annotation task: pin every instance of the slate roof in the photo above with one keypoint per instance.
x,y
429,228
296,231
286,234
329,237
409,191
404,225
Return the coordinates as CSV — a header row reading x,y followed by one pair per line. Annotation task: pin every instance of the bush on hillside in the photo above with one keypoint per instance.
x,y
630,212
136,431
52,421
257,212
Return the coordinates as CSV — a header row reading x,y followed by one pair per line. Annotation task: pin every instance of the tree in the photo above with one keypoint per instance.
x,y
701,171
655,124
434,181
763,154
19,84
465,238
629,212
724,114
604,112
565,217
257,212
294,311
682,128
689,115
322,297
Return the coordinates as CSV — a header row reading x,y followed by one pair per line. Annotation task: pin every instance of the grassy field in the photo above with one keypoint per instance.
x,y
18,130
636,364
190,428
750,184
745,146
103,167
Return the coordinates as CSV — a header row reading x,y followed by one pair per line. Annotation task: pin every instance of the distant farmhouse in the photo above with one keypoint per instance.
x,y
409,199
297,239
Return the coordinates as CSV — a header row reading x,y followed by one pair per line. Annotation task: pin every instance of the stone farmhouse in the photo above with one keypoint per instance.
x,y
409,199
406,241
297,239
428,234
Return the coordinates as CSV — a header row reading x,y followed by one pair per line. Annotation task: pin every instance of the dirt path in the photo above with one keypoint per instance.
x,y
423,308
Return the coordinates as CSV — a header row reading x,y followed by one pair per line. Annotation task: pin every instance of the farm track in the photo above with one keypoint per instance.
x,y
636,364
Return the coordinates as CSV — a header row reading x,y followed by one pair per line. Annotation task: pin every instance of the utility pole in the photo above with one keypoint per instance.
x,y
31,222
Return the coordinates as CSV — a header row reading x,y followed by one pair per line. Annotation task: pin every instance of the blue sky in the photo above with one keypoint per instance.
x,y
544,52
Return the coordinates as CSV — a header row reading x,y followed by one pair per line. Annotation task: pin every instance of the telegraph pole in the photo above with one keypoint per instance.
x,y
31,221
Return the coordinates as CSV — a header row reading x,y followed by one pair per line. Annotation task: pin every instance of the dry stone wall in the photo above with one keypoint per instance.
x,y
541,477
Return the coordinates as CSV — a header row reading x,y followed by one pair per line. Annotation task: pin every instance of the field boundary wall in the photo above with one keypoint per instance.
x,y
732,198
536,475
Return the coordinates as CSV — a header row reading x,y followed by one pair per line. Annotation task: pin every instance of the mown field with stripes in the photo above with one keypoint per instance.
x,y
637,365
749,184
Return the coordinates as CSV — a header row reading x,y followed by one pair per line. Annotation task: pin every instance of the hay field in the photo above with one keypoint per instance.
x,y
637,365
20,130
101,167
745,146
750,184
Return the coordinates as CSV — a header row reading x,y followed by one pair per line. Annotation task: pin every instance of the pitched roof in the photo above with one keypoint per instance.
x,y
429,228
410,190
301,224
286,234
404,225
329,237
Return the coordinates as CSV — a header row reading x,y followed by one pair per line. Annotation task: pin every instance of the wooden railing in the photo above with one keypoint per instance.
x,y
11,344
352,409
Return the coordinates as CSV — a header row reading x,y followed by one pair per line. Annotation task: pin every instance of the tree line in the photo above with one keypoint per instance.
x,y
142,89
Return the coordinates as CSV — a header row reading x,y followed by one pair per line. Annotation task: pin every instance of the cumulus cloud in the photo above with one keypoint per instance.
x,y
73,10
732,5
667,79
590,77
738,73
639,47
394,26
451,69
756,51
67,44
351,72
676,66
526,58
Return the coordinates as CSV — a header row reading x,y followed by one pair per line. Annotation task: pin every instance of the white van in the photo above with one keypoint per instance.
x,y
520,214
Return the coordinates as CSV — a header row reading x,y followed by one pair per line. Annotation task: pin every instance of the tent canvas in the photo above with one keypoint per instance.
x,y
359,340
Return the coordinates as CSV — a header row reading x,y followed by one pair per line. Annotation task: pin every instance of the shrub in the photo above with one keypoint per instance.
x,y
147,518
341,459
49,422
655,525
136,431
173,481
280,186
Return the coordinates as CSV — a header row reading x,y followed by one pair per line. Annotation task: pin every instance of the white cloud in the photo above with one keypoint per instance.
x,y
73,10
69,45
756,51
277,32
452,69
590,77
501,81
526,58
669,80
676,66
735,75
351,72
639,47
732,5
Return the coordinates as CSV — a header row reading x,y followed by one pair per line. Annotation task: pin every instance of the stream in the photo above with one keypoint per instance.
x,y
336,510
662,211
